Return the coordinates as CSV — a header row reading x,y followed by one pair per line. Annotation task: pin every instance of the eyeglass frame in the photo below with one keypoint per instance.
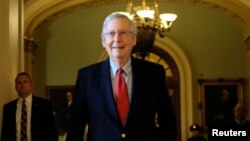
x,y
122,34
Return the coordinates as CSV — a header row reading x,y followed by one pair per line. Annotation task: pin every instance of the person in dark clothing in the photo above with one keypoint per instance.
x,y
40,123
101,87
63,113
239,123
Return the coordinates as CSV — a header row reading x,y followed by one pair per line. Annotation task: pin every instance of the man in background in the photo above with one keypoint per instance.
x,y
63,113
28,118
239,121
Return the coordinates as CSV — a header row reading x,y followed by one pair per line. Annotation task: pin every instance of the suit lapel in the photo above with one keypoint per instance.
x,y
107,91
33,109
136,80
108,96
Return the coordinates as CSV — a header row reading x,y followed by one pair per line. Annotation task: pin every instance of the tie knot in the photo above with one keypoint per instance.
x,y
24,102
120,71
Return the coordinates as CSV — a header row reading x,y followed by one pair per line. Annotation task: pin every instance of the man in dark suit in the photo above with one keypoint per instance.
x,y
96,98
40,125
63,113
239,127
239,121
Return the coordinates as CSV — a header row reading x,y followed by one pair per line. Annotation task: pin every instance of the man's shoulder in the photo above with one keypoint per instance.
x,y
247,122
10,103
40,99
95,66
145,63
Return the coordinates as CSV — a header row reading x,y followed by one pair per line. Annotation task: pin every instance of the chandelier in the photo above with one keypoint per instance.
x,y
149,22
145,17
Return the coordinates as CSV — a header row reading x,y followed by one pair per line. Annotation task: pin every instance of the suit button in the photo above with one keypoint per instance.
x,y
123,135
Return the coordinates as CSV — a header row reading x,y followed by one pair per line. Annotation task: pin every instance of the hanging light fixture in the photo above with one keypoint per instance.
x,y
149,17
149,23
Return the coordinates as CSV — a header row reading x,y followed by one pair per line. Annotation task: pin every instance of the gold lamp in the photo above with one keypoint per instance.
x,y
149,22
146,16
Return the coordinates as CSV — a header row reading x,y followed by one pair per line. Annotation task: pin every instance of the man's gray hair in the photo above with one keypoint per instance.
x,y
116,15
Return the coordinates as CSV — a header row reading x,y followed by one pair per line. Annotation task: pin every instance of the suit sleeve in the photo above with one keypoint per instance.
x,y
4,133
166,115
8,123
77,121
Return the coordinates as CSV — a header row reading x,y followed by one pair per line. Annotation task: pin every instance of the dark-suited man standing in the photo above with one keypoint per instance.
x,y
239,121
96,98
40,125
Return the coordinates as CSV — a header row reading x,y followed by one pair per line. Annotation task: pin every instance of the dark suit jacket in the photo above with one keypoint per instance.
x,y
42,121
232,124
94,104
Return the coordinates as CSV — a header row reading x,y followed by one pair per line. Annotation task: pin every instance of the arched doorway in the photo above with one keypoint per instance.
x,y
159,56
180,83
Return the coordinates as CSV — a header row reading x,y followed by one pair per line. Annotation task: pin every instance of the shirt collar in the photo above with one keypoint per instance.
x,y
27,99
126,68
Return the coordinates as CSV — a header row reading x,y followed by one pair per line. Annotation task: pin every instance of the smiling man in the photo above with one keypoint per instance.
x,y
120,97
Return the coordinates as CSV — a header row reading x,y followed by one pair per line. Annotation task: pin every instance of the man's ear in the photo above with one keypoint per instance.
x,y
103,42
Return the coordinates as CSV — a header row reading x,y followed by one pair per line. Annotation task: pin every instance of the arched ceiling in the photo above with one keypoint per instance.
x,y
38,13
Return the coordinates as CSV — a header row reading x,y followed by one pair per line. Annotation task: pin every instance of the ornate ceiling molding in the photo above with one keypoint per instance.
x,y
62,8
220,8
70,9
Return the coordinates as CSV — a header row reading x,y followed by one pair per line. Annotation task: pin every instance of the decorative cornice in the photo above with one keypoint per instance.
x,y
83,5
71,9
219,8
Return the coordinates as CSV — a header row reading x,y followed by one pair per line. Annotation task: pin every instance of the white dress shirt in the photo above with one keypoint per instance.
x,y
28,101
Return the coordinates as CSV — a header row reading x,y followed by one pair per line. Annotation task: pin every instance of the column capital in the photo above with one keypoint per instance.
x,y
30,44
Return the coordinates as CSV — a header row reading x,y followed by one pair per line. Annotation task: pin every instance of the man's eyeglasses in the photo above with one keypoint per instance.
x,y
122,34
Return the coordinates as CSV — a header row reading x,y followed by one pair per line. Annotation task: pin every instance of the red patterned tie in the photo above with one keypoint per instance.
x,y
122,100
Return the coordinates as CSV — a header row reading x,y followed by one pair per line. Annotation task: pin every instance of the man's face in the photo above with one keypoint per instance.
x,y
23,86
240,112
118,40
69,96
